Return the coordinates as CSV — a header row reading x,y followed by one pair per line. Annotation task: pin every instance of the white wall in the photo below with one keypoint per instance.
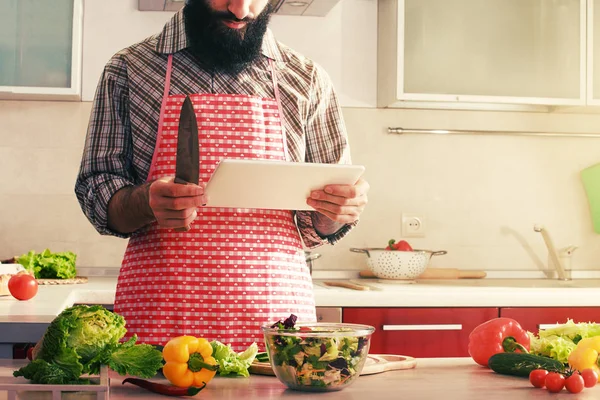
x,y
479,195
344,42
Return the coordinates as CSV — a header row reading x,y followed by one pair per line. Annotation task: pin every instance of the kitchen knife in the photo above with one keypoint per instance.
x,y
187,165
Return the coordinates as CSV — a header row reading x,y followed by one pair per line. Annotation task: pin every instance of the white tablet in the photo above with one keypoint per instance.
x,y
273,184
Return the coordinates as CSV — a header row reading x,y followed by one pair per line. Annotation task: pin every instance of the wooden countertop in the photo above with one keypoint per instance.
x,y
433,378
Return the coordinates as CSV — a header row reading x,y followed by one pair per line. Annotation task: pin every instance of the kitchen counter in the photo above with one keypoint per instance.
x,y
26,321
52,299
433,378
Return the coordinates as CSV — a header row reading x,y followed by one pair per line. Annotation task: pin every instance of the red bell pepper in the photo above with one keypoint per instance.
x,y
401,245
498,335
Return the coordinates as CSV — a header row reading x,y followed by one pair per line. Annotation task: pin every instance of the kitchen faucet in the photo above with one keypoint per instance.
x,y
553,257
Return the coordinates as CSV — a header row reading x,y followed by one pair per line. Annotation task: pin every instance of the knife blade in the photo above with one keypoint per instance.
x,y
187,164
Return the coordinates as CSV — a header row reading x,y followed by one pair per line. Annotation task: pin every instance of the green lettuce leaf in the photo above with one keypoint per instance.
x,y
232,363
559,341
40,371
141,360
48,265
571,330
555,347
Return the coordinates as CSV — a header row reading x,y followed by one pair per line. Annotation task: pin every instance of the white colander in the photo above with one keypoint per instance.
x,y
396,264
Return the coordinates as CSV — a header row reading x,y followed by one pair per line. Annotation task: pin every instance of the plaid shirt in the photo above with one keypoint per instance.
x,y
124,120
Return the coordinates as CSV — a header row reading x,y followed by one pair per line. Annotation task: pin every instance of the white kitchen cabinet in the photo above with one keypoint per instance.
x,y
40,49
471,53
593,88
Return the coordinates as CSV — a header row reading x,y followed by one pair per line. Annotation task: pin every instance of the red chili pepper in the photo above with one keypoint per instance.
x,y
160,388
498,335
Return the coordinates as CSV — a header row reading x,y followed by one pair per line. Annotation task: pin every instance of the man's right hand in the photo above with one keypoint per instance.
x,y
174,205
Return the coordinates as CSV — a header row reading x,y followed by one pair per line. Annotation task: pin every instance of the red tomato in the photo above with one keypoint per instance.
x,y
537,377
305,329
574,383
403,246
590,377
23,286
555,382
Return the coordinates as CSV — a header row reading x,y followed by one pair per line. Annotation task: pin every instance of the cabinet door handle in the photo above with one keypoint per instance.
x,y
428,327
547,326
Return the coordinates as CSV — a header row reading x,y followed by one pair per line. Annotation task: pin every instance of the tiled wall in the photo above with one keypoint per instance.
x,y
480,195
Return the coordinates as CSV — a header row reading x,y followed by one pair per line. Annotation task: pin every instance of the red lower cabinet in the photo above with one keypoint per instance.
x,y
420,332
534,318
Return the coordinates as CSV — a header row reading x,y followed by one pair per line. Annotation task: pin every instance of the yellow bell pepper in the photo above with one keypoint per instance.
x,y
585,355
189,361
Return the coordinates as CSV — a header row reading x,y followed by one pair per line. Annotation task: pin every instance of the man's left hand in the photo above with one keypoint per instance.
x,y
340,203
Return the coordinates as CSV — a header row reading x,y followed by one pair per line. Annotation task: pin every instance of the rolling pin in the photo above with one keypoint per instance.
x,y
440,273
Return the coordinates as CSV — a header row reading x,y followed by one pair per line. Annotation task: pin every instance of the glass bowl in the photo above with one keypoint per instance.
x,y
318,357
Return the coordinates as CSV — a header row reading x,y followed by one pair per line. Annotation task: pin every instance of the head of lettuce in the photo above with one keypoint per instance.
x,y
83,338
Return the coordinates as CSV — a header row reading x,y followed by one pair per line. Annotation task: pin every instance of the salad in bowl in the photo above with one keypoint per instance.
x,y
317,356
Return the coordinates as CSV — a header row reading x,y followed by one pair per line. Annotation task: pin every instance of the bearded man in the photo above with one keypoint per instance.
x,y
229,271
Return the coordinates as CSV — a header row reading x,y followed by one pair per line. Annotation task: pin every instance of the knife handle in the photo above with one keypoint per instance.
x,y
180,181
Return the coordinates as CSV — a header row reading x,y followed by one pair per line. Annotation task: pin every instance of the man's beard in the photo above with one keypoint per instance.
x,y
218,47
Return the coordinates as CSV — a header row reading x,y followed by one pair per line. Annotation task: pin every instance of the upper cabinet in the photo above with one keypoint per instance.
x,y
40,49
498,54
593,51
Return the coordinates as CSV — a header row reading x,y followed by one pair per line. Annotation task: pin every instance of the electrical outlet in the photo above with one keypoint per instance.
x,y
413,225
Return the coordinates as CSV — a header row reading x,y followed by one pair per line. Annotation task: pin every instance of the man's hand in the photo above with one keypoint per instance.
x,y
174,205
340,203
171,204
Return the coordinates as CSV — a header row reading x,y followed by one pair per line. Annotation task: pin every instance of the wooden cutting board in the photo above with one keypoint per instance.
x,y
347,285
440,273
375,364
73,281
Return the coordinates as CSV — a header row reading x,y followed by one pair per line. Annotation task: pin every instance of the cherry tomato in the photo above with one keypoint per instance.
x,y
590,377
305,329
574,383
403,246
537,377
555,382
23,286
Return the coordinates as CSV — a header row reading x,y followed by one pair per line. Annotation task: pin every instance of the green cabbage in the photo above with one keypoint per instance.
x,y
82,339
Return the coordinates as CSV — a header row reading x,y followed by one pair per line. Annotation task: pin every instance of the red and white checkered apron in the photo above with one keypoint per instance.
x,y
235,269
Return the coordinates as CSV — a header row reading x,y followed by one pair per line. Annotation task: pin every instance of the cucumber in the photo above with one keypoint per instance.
x,y
521,364
262,357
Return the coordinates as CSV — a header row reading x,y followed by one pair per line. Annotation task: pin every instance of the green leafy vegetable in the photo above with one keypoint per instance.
x,y
232,363
48,265
40,371
82,339
558,342
135,360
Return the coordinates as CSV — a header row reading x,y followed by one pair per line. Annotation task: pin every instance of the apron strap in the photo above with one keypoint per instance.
x,y
280,107
163,108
